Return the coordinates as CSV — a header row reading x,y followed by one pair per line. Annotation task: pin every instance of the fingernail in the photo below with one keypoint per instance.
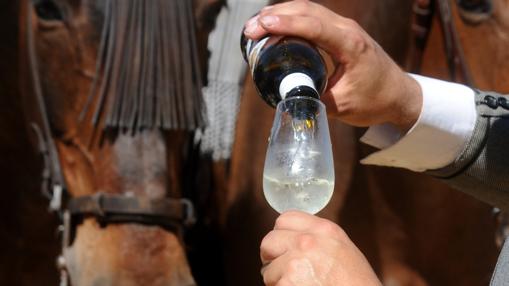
x,y
252,20
266,8
269,21
251,28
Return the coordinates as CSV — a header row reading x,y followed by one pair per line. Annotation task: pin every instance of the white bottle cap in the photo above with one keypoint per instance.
x,y
294,80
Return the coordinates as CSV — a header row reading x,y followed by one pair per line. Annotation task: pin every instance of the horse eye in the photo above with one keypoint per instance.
x,y
48,10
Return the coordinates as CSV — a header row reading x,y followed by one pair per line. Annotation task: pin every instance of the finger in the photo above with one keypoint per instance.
x,y
306,223
276,243
254,30
299,8
295,221
289,269
336,39
274,271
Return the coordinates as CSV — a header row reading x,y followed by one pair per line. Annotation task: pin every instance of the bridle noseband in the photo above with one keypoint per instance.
x,y
169,213
110,208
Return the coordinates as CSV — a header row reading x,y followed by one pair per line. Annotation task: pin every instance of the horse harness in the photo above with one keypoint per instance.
x,y
472,12
169,213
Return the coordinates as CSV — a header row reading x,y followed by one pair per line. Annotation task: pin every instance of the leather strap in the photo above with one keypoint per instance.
x,y
53,183
421,26
453,50
113,208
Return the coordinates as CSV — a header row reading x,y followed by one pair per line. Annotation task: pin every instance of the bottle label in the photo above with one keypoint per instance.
x,y
294,80
254,48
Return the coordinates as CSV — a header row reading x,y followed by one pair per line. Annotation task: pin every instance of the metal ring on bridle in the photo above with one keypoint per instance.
x,y
189,213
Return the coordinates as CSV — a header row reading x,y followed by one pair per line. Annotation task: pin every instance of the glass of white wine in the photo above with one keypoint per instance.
x,y
299,168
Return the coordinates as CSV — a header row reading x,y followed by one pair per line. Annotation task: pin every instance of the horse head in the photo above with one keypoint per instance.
x,y
120,82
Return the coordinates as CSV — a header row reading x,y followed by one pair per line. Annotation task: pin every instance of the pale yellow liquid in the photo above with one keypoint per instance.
x,y
309,195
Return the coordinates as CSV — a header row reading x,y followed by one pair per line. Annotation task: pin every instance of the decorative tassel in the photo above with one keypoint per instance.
x,y
147,73
226,75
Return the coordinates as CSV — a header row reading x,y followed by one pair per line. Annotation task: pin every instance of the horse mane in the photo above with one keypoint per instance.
x,y
147,71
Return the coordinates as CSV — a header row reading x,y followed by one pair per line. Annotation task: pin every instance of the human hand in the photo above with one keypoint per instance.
x,y
306,250
367,86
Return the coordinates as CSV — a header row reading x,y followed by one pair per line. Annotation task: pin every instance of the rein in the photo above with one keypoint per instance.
x,y
458,68
424,11
169,213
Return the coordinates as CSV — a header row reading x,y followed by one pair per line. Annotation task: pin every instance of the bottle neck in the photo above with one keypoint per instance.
x,y
303,91
297,84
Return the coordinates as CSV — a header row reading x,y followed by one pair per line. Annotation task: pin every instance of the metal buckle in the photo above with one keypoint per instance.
x,y
189,218
55,203
98,204
43,151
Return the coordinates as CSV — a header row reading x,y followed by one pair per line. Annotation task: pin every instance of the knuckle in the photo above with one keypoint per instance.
x,y
356,36
327,227
306,7
281,220
293,267
266,241
304,4
352,24
293,271
358,42
306,241
267,280
315,27
285,219
332,230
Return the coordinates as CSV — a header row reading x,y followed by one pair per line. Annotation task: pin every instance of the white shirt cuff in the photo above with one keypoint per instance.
x,y
442,131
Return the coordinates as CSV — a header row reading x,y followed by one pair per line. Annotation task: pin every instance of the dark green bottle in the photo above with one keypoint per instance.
x,y
284,66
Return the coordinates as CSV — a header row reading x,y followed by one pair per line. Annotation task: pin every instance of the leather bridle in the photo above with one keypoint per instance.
x,y
169,213
472,12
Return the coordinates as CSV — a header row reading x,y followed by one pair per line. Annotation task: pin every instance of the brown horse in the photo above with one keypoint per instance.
x,y
413,229
100,120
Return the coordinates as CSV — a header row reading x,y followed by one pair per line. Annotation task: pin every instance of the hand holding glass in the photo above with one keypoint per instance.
x,y
299,169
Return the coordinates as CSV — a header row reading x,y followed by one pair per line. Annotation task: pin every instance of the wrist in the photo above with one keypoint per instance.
x,y
408,103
